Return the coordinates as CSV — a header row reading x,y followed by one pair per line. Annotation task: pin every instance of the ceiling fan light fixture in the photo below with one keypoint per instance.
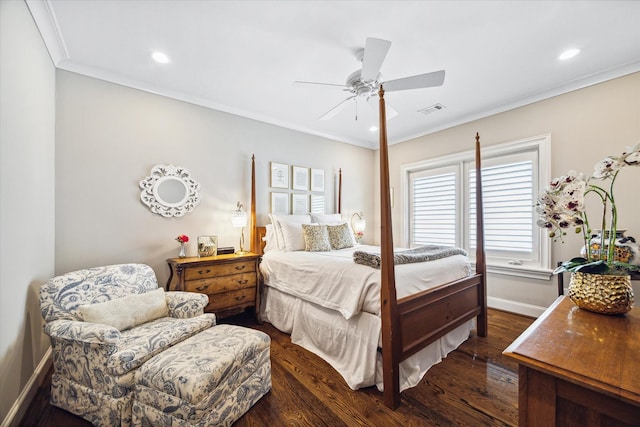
x,y
568,54
160,57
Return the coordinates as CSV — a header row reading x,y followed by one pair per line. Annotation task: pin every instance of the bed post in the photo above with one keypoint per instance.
x,y
253,240
340,190
481,264
391,345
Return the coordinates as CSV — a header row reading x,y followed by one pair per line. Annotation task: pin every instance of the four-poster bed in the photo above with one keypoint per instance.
x,y
409,323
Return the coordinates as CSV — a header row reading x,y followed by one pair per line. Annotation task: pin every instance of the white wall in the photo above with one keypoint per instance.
x,y
27,126
585,126
107,139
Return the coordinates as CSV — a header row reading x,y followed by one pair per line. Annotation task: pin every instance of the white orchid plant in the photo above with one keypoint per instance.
x,y
561,206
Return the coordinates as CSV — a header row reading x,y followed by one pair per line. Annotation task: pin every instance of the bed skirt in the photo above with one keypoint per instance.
x,y
351,346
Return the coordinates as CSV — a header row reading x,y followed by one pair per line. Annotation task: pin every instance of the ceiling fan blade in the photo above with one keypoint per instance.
x,y
389,110
297,82
415,82
375,50
335,110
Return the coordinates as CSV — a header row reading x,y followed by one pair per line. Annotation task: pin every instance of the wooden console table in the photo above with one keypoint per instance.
x,y
579,368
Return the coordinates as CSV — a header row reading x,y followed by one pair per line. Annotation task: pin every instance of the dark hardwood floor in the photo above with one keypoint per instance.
x,y
474,386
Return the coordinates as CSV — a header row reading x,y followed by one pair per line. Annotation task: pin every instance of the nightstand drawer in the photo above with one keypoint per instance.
x,y
228,300
210,271
221,284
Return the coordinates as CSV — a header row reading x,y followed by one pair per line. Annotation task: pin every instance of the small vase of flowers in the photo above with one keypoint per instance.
x,y
182,239
561,206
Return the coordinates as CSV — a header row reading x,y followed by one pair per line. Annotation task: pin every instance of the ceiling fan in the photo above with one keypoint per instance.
x,y
365,83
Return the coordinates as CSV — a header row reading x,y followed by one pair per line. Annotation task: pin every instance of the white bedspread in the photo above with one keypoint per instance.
x,y
333,280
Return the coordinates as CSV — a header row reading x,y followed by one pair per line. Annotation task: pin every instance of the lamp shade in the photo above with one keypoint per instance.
x,y
358,223
239,216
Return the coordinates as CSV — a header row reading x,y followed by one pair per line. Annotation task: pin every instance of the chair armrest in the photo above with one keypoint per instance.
x,y
183,305
84,332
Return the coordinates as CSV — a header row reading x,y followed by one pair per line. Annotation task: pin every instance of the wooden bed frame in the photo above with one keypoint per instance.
x,y
409,324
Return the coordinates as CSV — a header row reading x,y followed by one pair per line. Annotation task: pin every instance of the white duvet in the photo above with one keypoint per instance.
x,y
333,280
330,305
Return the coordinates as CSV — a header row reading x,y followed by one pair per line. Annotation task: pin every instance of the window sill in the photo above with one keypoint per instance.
x,y
530,273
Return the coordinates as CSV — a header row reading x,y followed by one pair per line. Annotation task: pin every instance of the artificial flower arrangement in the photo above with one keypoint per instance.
x,y
183,238
562,206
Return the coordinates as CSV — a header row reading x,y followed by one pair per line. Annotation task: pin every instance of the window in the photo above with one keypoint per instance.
x,y
441,204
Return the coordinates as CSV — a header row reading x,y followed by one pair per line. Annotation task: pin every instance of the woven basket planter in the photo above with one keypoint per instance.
x,y
601,293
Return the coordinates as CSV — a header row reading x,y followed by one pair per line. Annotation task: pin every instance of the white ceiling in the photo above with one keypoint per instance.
x,y
242,57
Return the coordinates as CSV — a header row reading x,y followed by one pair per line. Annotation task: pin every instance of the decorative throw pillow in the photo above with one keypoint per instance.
x,y
128,311
340,236
316,238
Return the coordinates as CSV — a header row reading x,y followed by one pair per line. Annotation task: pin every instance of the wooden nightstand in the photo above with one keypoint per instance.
x,y
230,281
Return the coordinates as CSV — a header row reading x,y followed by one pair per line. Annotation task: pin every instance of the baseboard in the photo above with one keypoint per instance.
x,y
515,307
21,405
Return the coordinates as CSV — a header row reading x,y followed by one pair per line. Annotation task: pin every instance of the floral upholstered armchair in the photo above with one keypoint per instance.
x,y
106,322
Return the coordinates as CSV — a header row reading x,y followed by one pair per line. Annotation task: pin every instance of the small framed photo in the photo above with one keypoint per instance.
x,y
317,180
300,204
279,175
317,204
280,203
300,178
207,246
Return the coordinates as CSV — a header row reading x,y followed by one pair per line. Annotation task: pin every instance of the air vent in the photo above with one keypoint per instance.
x,y
432,109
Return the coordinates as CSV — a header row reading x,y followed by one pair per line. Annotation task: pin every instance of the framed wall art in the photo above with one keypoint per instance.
x,y
317,180
207,246
300,204
300,178
279,175
280,203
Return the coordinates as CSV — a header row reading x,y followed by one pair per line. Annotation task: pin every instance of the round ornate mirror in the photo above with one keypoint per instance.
x,y
169,191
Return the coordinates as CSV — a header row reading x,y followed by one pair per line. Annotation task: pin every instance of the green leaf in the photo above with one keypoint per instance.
x,y
597,267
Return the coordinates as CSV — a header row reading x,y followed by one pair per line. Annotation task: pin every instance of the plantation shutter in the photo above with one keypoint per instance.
x,y
432,205
508,189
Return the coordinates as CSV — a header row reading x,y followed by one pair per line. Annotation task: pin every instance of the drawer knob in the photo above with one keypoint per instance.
x,y
240,298
204,271
240,267
243,282
202,288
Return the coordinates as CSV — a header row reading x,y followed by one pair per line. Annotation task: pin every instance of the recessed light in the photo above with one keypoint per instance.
x,y
160,57
373,128
568,54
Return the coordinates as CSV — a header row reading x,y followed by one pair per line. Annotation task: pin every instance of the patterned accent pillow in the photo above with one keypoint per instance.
x,y
340,236
316,238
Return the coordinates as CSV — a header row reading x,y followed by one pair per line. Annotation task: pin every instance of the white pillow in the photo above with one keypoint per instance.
x,y
277,221
326,219
128,311
270,239
293,236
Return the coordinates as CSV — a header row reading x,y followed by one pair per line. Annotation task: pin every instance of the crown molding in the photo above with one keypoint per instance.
x,y
45,19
